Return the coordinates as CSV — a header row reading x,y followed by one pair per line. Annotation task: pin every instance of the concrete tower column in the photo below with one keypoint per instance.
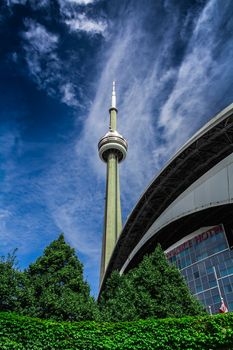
x,y
112,150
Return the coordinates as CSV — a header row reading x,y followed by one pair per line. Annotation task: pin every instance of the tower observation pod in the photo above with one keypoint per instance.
x,y
112,150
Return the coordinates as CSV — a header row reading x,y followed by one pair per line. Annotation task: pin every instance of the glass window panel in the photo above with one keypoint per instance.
x,y
195,268
221,257
188,261
192,256
230,297
230,306
198,288
205,285
228,288
226,281
208,294
221,266
211,277
212,283
201,267
208,301
209,269
230,270
216,299
224,273
214,292
204,279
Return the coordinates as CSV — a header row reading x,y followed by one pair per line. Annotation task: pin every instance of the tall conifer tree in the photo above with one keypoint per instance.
x,y
57,285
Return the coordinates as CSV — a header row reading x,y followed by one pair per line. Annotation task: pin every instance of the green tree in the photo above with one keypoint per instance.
x,y
12,282
116,300
153,289
57,286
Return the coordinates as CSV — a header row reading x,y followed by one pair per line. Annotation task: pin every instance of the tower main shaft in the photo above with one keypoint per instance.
x,y
112,150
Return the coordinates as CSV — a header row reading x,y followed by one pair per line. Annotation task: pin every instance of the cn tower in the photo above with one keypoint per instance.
x,y
112,150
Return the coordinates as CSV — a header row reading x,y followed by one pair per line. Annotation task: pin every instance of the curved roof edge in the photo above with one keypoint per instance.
x,y
204,149
212,122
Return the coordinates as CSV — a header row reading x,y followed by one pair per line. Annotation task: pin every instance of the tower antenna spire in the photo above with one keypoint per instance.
x,y
113,94
112,151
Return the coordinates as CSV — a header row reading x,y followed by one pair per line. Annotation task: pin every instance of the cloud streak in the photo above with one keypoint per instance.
x,y
44,64
201,74
80,20
82,23
83,2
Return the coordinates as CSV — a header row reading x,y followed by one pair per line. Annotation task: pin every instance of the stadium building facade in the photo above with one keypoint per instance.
x,y
188,209
206,262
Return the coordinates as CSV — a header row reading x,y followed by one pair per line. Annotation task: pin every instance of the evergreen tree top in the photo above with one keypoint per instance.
x,y
57,255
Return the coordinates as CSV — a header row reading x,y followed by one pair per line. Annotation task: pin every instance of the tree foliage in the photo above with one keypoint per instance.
x,y
58,287
10,281
153,289
52,287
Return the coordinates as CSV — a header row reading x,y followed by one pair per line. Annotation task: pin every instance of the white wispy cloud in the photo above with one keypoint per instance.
x,y
44,64
68,7
69,95
199,77
13,178
70,195
82,2
43,196
41,46
82,23
40,53
15,2
40,40
36,5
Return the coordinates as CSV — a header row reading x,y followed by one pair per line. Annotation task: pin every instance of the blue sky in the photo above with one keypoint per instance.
x,y
172,62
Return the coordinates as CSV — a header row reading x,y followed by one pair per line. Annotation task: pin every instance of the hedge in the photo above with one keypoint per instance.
x,y
190,333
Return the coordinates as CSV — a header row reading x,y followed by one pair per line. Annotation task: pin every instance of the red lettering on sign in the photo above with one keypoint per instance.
x,y
198,239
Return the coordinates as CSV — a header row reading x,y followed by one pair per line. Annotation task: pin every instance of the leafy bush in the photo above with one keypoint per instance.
x,y
190,333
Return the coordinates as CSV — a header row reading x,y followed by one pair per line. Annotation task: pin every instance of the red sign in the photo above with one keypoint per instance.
x,y
195,240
